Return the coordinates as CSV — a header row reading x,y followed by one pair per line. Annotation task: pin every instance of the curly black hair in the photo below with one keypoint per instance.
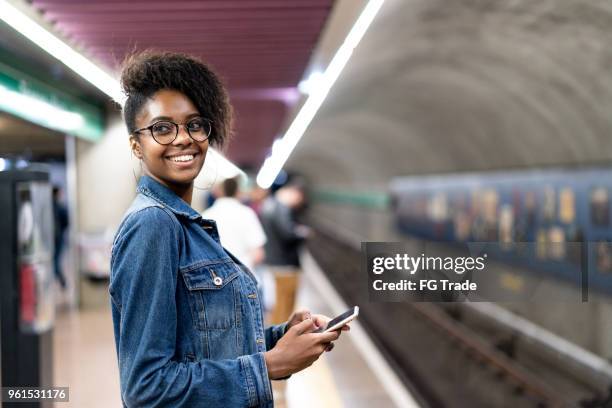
x,y
146,72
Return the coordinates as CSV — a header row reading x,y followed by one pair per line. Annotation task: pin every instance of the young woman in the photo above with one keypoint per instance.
x,y
187,318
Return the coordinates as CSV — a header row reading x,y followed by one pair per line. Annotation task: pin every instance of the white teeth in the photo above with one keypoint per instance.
x,y
183,158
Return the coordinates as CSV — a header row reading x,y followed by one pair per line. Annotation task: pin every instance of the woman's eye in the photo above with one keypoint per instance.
x,y
195,125
162,128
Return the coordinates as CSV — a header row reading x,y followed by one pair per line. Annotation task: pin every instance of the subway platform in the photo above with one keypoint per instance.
x,y
352,375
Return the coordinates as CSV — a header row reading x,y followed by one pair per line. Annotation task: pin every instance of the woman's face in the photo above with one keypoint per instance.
x,y
176,164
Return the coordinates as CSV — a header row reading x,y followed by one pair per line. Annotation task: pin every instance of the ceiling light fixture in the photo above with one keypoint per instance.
x,y
275,162
74,60
308,85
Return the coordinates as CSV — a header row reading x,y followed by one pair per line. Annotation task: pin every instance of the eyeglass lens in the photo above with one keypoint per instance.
x,y
165,132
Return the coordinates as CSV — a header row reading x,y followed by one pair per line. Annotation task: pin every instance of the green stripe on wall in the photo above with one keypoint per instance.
x,y
92,126
364,199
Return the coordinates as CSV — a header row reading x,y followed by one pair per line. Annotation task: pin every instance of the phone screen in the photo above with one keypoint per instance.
x,y
339,318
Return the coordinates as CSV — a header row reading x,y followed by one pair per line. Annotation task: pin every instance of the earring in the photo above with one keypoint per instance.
x,y
133,171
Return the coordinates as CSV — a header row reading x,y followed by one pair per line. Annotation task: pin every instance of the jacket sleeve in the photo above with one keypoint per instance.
x,y
144,270
273,334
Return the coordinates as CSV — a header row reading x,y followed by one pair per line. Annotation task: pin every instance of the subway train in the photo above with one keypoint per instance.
x,y
554,222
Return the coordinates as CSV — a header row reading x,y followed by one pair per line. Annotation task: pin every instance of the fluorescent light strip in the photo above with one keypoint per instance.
x,y
283,148
83,67
60,50
308,85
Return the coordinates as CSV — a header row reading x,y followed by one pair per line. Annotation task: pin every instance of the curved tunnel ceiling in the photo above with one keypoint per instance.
x,y
438,86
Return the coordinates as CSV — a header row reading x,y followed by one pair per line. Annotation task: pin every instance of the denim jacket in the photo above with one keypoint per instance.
x,y
187,317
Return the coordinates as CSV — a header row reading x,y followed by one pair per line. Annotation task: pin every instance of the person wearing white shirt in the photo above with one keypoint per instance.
x,y
239,228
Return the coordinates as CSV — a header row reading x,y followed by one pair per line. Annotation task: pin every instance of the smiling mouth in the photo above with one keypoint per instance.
x,y
183,158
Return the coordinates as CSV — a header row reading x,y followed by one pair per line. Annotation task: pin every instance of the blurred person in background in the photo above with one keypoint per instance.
x,y
214,193
285,236
60,220
181,340
239,228
257,197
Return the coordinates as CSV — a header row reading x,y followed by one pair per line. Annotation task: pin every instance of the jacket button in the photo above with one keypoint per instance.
x,y
260,341
252,295
218,281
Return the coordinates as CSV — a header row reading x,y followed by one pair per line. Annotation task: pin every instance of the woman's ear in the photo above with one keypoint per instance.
x,y
135,146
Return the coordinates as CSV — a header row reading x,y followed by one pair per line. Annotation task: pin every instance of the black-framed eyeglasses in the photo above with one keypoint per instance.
x,y
165,132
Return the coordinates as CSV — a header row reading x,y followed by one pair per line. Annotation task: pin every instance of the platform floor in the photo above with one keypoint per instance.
x,y
85,361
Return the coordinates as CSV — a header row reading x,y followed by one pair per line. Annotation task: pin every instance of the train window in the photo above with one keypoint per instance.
x,y
604,256
600,207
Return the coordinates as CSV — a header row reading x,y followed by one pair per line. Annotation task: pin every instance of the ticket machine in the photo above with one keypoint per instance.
x,y
26,280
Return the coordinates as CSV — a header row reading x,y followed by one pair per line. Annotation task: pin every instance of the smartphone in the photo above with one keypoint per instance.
x,y
340,320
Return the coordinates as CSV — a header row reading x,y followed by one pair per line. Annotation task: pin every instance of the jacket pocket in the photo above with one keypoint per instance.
x,y
214,295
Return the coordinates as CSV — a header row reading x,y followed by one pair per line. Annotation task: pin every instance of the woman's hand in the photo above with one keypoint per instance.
x,y
297,349
319,320
298,317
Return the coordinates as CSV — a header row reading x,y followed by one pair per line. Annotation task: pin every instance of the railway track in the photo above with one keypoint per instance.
x,y
449,359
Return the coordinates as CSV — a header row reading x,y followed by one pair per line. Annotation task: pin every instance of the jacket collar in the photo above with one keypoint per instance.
x,y
162,194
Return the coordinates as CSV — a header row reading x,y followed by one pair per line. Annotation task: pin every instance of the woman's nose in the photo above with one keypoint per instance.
x,y
182,137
